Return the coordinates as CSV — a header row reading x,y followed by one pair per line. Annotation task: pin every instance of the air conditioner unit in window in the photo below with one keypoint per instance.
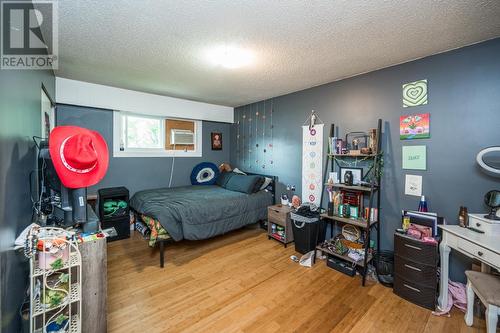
x,y
181,137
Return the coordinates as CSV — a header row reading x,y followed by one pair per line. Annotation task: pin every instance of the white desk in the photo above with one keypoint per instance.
x,y
483,247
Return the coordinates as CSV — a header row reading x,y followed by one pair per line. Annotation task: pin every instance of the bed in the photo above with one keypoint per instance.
x,y
199,211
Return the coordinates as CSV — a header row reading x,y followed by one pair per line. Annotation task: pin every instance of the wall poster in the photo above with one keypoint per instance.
x,y
312,163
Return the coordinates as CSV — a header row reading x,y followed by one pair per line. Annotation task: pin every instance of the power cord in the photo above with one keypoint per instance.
x,y
172,169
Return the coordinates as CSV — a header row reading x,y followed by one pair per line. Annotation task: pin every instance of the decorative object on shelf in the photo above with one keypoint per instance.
x,y
354,212
413,185
339,246
365,151
351,197
414,157
357,175
492,200
348,178
337,201
333,177
463,217
216,139
345,210
415,126
351,233
372,141
422,205
312,156
340,147
415,93
355,141
330,209
493,167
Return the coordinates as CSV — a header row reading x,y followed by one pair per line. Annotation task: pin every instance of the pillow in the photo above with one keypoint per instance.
x,y
267,182
238,171
204,173
259,184
243,183
224,178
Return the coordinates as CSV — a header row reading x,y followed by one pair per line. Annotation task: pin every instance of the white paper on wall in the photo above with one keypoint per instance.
x,y
312,163
413,185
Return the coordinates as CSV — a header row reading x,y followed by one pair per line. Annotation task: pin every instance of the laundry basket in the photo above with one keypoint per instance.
x,y
306,231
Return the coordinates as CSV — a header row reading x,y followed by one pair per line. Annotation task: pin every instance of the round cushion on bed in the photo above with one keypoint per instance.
x,y
205,173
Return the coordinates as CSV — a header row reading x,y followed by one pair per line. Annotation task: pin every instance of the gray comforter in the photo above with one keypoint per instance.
x,y
201,212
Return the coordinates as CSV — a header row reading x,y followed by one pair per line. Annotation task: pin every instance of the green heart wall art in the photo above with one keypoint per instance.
x,y
415,93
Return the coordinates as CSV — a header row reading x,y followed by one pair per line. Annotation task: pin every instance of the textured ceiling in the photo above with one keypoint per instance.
x,y
159,46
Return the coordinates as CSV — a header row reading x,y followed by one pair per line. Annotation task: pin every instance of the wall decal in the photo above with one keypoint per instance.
x,y
415,93
414,157
254,136
312,166
413,185
415,126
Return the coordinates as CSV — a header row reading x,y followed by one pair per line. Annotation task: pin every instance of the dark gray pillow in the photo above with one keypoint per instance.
x,y
224,178
243,183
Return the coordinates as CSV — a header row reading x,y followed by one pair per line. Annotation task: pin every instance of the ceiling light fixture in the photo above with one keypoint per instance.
x,y
230,57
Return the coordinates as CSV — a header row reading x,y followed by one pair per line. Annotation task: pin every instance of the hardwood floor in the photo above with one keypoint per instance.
x,y
243,282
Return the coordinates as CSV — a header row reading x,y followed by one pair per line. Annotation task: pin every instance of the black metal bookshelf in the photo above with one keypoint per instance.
x,y
373,164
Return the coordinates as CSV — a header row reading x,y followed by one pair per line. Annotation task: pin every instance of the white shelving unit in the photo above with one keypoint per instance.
x,y
56,284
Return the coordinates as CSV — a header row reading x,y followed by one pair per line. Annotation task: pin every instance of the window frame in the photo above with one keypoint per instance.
x,y
119,131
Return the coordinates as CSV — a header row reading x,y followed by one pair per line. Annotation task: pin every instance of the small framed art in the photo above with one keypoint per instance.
x,y
357,174
216,138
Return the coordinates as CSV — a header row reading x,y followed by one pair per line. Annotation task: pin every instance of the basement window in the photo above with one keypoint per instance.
x,y
138,135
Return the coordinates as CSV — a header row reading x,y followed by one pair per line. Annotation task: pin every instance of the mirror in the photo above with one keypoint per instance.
x,y
492,200
489,160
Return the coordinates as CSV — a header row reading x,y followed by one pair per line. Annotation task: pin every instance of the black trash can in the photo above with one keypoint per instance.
x,y
307,232
384,265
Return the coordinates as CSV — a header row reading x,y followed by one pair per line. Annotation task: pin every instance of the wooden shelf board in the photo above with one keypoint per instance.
x,y
362,223
344,257
352,187
352,155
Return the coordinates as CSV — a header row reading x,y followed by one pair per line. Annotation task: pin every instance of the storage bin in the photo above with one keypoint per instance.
x,y
47,258
307,232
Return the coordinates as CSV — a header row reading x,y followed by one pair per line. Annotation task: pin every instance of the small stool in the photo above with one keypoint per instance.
x,y
487,288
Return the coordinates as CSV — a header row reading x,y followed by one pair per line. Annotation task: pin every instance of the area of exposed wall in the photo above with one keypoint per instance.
x,y
139,173
20,120
464,107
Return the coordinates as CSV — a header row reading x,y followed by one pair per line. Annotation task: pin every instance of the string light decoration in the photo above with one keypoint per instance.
x,y
254,135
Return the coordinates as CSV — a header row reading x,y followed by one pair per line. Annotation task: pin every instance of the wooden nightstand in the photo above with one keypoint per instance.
x,y
279,216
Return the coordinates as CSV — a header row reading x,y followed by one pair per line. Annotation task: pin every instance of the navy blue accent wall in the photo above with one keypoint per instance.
x,y
20,119
139,173
464,103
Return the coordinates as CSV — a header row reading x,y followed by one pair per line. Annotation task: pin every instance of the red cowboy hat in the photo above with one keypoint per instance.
x,y
80,156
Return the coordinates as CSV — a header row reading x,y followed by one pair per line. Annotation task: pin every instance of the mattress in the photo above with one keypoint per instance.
x,y
201,212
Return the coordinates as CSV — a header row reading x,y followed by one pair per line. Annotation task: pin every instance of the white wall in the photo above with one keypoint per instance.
x,y
99,96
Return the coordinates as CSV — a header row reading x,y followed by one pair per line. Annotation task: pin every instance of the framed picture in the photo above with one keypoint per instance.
x,y
416,126
414,157
357,174
216,140
47,114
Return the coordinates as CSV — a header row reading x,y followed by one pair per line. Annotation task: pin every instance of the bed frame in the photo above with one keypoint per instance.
x,y
271,188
